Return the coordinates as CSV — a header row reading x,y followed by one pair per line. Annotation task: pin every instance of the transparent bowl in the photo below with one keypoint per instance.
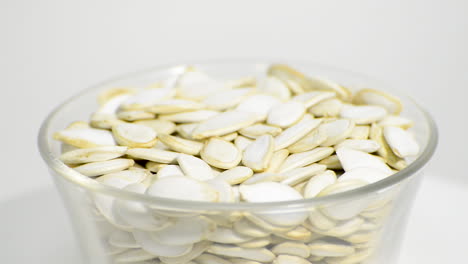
x,y
363,225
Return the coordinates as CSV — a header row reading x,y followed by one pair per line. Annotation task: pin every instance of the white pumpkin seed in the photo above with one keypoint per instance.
x,y
327,108
318,221
247,228
365,145
150,245
357,257
258,130
147,97
298,175
230,137
236,175
259,105
225,191
189,117
288,74
376,133
257,155
319,83
242,142
226,99
369,175
134,115
197,250
274,86
263,177
227,236
222,124
183,188
186,130
93,154
309,141
374,97
169,171
186,146
196,85
210,259
294,133
124,239
360,132
277,160
297,234
133,255
258,254
185,230
345,228
85,137
350,159
336,131
243,261
287,259
133,135
312,98
363,114
174,106
292,248
93,169
221,154
400,141
332,162
330,248
256,243
319,182
396,121
285,114
194,167
305,158
159,126
155,155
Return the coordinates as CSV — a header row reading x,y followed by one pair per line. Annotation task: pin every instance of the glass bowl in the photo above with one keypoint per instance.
x,y
363,225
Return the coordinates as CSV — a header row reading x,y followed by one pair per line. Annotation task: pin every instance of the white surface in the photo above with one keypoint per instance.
x,y
50,50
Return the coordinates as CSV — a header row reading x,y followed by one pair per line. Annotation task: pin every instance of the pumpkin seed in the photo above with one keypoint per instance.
x,y
257,155
294,133
374,97
292,248
297,160
93,169
287,259
222,124
257,254
286,114
221,154
134,136
183,188
236,175
189,117
186,146
93,154
258,130
194,167
400,141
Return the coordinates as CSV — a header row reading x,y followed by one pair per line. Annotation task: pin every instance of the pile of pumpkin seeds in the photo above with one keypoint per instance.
x,y
277,137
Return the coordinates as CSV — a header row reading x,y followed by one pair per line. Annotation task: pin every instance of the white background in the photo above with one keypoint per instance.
x,y
49,50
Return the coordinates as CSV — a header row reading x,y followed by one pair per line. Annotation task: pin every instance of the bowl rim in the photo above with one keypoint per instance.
x,y
75,177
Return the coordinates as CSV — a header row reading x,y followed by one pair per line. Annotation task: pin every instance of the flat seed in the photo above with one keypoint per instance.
x,y
255,243
297,234
319,182
85,137
186,230
319,221
365,145
259,105
258,130
104,167
358,257
196,251
186,146
225,191
186,130
243,261
104,121
221,154
183,188
133,255
363,114
105,97
196,85
242,82
332,163
263,177
376,133
93,154
210,259
227,236
154,166
226,99
242,142
375,97
360,237
295,87
257,254
294,133
230,136
257,155
396,121
223,124
155,155
158,249
236,175
305,158
350,159
327,108
287,259
330,248
135,136
292,248
309,141
147,97
134,115
298,175
286,74
286,114
336,131
369,175
174,106
189,117
123,239
247,228
194,167
277,160
274,86
312,98
360,132
169,171
400,141
345,228
323,84
159,126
